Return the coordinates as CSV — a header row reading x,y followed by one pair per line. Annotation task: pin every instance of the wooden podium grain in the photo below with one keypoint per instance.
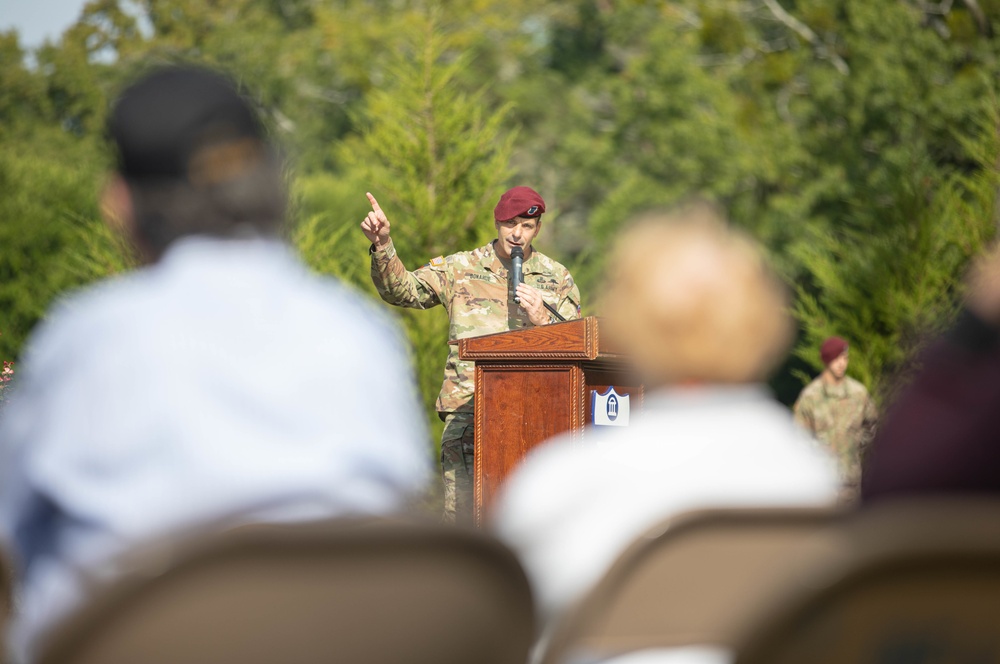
x,y
532,384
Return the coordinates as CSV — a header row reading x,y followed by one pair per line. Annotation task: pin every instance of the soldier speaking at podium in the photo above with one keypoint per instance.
x,y
478,290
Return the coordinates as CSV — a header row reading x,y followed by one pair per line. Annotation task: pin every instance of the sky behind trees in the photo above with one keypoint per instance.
x,y
39,20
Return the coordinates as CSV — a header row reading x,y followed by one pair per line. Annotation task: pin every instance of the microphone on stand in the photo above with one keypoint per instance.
x,y
517,261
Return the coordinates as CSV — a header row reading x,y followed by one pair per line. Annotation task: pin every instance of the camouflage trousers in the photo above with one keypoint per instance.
x,y
458,453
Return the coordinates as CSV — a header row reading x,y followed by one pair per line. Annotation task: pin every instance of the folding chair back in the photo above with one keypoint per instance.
x,y
696,579
360,592
922,584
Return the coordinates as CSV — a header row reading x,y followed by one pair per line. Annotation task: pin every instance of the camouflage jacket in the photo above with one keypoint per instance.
x,y
474,288
843,417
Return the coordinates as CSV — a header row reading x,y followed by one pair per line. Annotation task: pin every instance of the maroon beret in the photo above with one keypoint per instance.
x,y
831,349
519,202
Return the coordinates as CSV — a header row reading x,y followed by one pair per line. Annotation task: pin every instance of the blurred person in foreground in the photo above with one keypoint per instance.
x,y
838,411
222,383
942,433
703,321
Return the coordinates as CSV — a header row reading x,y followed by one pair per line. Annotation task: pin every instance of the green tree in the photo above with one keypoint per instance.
x,y
436,158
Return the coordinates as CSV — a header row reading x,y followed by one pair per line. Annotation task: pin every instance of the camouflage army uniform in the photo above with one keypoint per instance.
x,y
841,416
473,287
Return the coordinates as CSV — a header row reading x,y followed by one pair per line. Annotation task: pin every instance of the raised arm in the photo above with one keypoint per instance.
x,y
420,289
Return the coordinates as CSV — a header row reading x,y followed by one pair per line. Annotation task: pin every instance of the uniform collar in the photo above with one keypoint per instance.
x,y
492,260
835,391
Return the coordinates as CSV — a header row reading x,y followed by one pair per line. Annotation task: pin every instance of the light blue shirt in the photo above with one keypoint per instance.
x,y
223,384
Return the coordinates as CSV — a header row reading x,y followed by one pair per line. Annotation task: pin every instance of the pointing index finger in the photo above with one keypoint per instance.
x,y
371,199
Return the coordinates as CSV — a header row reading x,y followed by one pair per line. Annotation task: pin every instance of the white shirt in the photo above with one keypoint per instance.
x,y
224,383
573,506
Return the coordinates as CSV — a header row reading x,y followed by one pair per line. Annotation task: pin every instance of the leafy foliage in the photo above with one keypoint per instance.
x,y
853,138
47,197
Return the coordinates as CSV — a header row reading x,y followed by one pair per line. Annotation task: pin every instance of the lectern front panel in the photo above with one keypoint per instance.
x,y
519,405
535,383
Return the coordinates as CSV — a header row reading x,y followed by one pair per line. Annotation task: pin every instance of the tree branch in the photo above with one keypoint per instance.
x,y
803,31
942,8
982,22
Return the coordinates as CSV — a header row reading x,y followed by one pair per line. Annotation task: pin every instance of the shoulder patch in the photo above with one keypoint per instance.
x,y
437,262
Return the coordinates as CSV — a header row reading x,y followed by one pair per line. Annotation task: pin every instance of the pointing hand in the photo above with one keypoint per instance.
x,y
376,225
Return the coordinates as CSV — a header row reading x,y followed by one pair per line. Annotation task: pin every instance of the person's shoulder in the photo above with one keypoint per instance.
x,y
98,318
303,305
855,387
813,390
346,306
556,275
473,257
102,302
460,260
550,265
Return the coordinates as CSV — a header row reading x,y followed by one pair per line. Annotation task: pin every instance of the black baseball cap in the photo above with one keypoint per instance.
x,y
164,119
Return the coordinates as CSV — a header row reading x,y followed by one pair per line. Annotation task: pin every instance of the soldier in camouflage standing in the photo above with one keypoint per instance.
x,y
475,288
838,411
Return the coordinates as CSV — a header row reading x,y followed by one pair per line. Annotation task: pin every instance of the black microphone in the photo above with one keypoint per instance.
x,y
517,259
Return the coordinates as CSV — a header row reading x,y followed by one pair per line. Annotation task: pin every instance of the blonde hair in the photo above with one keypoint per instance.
x,y
693,300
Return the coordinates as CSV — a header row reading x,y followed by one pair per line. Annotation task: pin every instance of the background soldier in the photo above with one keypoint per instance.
x,y
838,411
475,288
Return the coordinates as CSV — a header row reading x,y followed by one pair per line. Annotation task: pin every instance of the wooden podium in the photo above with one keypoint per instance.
x,y
534,383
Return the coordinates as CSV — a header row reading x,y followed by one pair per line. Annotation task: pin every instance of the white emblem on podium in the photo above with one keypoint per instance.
x,y
610,409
